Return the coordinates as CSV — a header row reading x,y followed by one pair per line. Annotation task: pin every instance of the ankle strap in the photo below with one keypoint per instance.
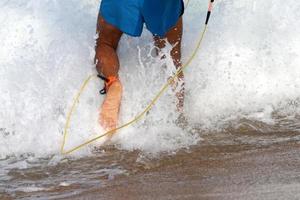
x,y
108,81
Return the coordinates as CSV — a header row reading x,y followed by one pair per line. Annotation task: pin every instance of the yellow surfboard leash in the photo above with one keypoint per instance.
x,y
139,116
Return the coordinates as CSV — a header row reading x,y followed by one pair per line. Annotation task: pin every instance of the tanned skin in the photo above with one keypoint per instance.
x,y
108,61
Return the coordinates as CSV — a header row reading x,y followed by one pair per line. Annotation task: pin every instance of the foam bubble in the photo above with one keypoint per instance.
x,y
248,66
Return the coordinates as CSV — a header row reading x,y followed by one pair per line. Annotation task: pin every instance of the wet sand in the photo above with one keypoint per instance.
x,y
235,165
213,172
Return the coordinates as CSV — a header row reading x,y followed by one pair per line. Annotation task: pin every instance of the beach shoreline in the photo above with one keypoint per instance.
x,y
213,172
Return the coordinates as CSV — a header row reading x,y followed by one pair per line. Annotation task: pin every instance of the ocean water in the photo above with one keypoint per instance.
x,y
244,79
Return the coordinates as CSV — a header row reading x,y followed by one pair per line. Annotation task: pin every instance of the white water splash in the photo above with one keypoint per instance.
x,y
248,66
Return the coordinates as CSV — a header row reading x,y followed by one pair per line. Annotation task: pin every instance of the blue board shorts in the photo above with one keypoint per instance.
x,y
131,15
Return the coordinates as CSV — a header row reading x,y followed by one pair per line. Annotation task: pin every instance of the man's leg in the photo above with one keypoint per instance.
x,y
174,37
107,63
106,58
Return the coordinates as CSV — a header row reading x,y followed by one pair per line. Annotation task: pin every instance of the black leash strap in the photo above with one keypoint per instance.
x,y
209,11
103,91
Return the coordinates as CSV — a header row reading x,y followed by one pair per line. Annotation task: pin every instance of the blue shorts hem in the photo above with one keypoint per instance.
x,y
121,27
129,17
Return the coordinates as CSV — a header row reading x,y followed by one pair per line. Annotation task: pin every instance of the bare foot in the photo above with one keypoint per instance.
x,y
109,111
